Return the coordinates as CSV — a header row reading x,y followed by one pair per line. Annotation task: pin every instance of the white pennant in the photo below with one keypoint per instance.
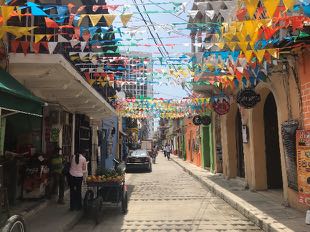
x,y
193,13
52,46
83,54
202,6
62,39
83,45
74,42
210,13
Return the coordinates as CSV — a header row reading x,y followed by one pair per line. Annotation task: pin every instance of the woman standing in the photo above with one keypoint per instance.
x,y
77,168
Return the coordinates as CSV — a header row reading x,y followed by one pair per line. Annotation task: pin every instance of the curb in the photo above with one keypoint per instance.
x,y
260,219
70,224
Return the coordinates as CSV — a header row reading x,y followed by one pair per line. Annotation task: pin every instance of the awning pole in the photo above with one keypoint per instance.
x,y
2,128
73,135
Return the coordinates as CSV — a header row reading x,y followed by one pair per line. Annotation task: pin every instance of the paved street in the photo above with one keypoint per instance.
x,y
168,199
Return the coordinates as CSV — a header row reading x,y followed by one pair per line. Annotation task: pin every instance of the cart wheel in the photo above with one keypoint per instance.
x,y
125,203
98,209
15,224
88,201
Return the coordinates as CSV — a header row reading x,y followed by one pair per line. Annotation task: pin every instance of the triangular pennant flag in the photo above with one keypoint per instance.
x,y
49,36
25,46
251,6
193,13
260,55
83,55
243,46
125,18
231,45
62,39
210,13
14,45
202,6
271,6
274,53
36,11
289,4
6,12
74,42
38,37
95,18
81,19
83,45
50,23
109,18
51,46
248,55
36,47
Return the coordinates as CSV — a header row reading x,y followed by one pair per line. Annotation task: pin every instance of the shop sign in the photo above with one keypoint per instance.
x,y
206,120
221,106
303,165
248,98
197,120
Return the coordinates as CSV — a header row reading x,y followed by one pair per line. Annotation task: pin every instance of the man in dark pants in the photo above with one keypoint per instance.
x,y
57,177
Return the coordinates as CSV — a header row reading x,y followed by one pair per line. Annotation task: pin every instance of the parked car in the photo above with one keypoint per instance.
x,y
139,160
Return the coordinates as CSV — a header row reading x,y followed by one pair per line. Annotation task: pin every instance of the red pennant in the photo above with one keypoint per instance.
x,y
25,46
241,14
50,23
297,23
280,12
259,12
36,47
45,44
269,32
268,57
14,45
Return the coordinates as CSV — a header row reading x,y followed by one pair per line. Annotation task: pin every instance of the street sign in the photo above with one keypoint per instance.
x,y
221,106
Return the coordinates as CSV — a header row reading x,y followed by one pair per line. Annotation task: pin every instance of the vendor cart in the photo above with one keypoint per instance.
x,y
99,192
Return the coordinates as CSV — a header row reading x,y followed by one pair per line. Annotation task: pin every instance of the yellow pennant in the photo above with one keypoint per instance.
x,y
38,37
232,45
271,6
125,18
289,4
248,55
274,53
81,19
6,12
260,55
109,18
251,6
243,46
95,18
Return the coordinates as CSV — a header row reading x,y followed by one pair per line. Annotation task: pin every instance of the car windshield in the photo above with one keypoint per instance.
x,y
139,153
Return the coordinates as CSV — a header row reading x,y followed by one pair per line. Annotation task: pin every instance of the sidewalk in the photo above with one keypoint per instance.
x,y
53,217
263,209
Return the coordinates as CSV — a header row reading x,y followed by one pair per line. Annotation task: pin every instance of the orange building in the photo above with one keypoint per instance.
x,y
192,142
304,76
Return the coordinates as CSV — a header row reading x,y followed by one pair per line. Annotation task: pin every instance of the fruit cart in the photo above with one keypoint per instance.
x,y
105,188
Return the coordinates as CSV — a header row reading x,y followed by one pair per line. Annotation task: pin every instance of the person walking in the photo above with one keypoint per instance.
x,y
56,175
168,151
77,169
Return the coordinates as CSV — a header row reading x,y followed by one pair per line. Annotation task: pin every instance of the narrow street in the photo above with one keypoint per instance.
x,y
168,199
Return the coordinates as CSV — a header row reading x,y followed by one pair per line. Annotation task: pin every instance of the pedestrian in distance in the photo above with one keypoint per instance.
x,y
77,169
168,151
57,179
165,150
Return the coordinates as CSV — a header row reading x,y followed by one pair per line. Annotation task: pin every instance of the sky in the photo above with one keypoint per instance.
x,y
172,91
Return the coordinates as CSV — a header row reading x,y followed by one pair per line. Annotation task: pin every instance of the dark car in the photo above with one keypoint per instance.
x,y
139,160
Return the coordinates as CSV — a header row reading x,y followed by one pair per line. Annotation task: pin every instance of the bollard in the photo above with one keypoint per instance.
x,y
308,217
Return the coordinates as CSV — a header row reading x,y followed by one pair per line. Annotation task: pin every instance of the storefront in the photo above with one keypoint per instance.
x,y
20,134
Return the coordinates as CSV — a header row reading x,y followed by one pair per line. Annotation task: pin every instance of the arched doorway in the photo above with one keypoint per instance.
x,y
239,146
273,157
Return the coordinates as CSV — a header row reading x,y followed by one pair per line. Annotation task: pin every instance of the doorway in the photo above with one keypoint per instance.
x,y
239,147
273,157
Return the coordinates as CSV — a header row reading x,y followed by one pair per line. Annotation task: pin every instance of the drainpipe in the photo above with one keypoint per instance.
x,y
73,135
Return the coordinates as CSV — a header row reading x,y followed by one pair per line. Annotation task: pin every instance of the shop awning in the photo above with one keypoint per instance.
x,y
55,80
15,97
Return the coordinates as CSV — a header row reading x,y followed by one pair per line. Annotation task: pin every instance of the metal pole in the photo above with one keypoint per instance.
x,y
73,135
